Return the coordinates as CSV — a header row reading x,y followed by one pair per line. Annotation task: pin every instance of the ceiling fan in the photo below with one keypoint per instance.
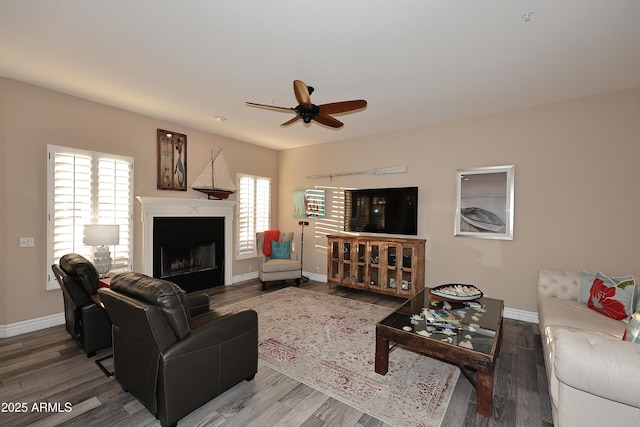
x,y
308,111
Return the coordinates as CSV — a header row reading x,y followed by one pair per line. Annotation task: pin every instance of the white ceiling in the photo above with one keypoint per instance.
x,y
416,62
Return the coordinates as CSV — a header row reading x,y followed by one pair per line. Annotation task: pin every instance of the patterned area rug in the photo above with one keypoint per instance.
x,y
328,343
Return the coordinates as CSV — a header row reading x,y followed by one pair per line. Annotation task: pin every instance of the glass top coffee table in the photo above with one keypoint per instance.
x,y
472,339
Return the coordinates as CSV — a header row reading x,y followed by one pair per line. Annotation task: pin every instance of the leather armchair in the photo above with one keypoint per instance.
x,y
86,321
171,357
270,269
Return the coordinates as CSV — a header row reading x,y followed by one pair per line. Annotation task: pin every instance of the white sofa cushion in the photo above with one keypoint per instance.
x,y
553,311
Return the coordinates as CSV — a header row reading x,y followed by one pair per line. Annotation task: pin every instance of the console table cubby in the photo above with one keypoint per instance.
x,y
387,265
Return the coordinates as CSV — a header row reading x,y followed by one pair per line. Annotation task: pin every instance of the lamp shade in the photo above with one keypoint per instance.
x,y
101,234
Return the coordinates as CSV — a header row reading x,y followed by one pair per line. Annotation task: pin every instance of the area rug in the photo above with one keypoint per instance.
x,y
328,343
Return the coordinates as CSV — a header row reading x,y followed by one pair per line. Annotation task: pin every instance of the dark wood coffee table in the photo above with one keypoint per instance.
x,y
485,336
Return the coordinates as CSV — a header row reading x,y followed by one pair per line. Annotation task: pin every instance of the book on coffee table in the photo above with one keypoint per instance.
x,y
443,319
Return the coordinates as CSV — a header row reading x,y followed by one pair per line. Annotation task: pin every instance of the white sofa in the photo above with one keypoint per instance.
x,y
593,376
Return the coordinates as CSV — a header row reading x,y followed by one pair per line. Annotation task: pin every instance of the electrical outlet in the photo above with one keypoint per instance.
x,y
317,269
26,242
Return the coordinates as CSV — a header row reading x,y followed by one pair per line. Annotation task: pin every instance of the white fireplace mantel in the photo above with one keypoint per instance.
x,y
173,207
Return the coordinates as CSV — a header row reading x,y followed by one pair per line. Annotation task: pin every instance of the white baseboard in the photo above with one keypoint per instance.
x,y
244,277
32,325
525,316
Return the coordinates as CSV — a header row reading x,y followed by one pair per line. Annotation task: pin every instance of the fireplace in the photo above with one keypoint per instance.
x,y
189,251
187,241
179,259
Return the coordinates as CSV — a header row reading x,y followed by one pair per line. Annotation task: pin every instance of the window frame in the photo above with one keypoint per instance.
x,y
95,210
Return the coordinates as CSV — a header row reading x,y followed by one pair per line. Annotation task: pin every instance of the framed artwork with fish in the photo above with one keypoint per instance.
x,y
484,202
172,160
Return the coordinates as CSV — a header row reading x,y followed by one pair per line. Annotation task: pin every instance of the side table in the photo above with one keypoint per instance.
x,y
105,282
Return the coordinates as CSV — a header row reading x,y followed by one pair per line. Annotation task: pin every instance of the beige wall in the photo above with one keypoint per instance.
x,y
34,117
576,193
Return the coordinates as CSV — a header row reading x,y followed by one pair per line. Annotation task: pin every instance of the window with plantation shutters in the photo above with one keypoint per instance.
x,y
254,212
334,213
86,187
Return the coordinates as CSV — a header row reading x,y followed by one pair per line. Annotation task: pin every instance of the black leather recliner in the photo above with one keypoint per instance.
x,y
171,358
86,321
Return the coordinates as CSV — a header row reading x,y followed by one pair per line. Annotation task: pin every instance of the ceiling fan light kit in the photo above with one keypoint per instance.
x,y
308,111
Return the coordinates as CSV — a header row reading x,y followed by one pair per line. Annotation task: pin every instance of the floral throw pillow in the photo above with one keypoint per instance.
x,y
281,250
586,281
611,298
632,333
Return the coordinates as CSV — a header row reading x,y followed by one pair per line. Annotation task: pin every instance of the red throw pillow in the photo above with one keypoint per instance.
x,y
602,299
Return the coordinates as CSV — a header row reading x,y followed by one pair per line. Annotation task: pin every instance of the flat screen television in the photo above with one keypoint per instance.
x,y
382,210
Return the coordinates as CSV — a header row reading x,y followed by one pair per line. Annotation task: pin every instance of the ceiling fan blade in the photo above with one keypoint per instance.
x,y
273,107
302,93
342,107
295,119
328,121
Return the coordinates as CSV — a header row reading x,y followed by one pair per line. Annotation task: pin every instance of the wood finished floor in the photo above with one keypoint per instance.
x,y
47,367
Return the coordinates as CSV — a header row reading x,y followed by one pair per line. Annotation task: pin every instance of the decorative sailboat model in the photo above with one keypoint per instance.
x,y
214,180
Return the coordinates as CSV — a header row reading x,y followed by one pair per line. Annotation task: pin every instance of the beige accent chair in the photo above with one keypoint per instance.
x,y
278,269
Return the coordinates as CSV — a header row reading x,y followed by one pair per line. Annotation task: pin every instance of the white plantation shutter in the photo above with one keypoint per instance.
x,y
87,188
254,212
114,205
263,204
246,213
72,182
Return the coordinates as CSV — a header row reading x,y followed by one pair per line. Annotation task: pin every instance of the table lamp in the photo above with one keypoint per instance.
x,y
101,236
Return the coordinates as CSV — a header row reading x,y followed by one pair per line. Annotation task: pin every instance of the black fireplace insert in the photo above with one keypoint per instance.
x,y
189,251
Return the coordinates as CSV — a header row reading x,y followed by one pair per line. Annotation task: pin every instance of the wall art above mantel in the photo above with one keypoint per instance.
x,y
172,160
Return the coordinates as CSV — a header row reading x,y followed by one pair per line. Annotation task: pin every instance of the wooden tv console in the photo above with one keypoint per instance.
x,y
387,265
